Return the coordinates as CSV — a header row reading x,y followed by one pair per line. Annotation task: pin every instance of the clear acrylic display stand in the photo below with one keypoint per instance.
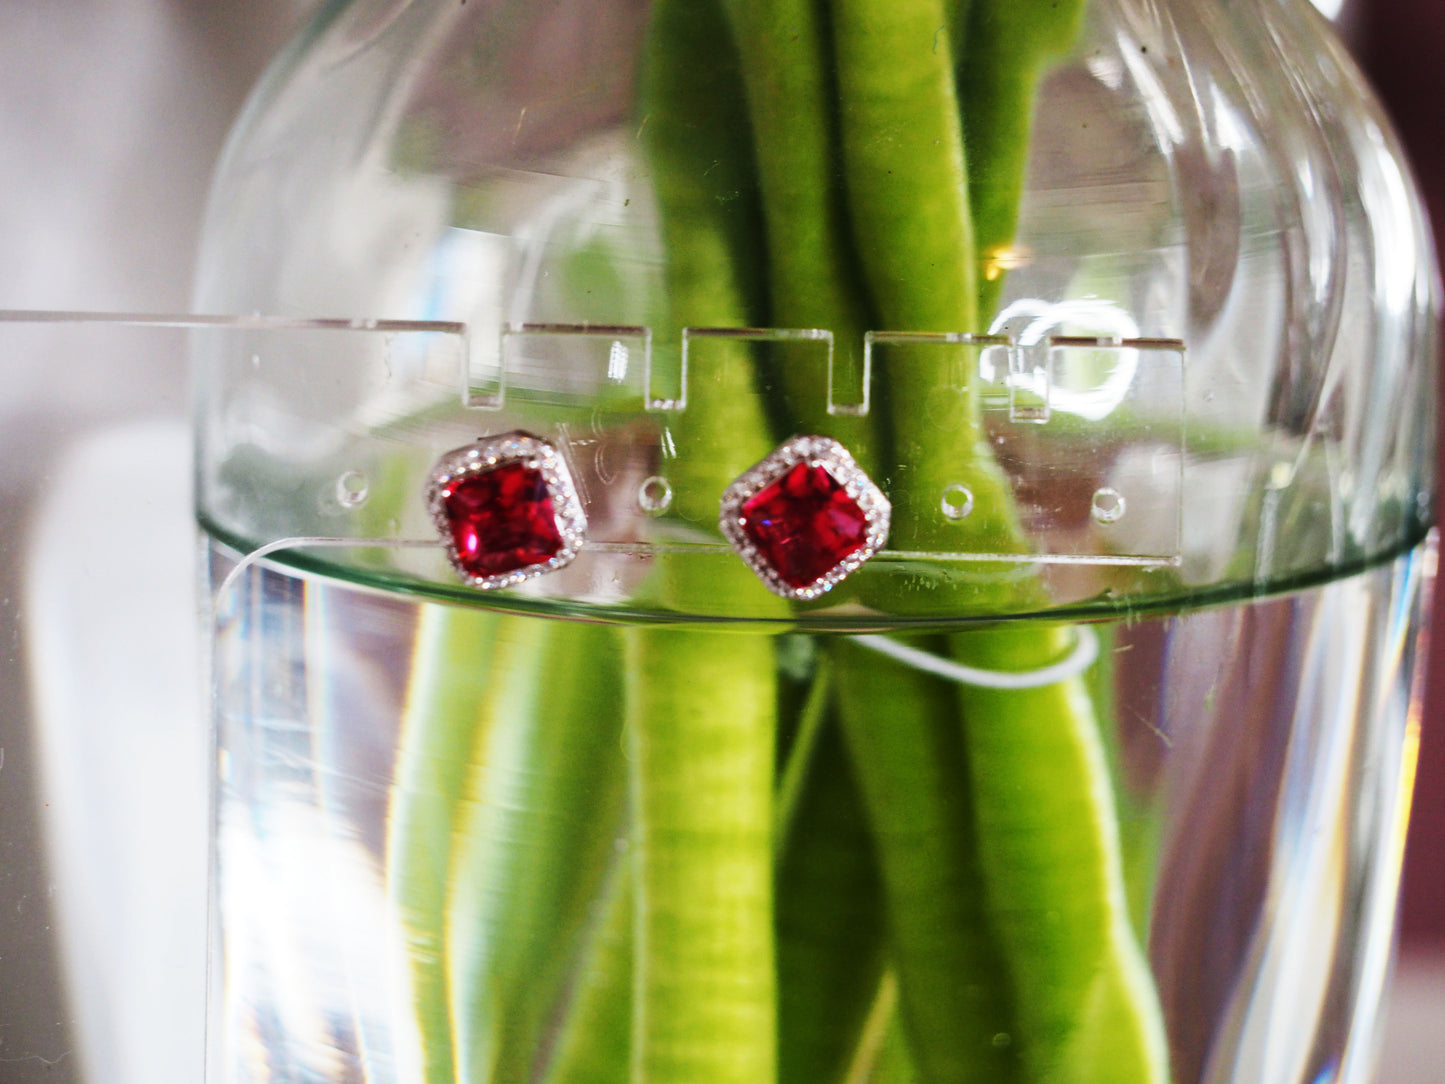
x,y
103,807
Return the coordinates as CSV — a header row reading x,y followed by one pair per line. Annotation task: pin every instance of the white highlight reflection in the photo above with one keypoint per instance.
x,y
1087,316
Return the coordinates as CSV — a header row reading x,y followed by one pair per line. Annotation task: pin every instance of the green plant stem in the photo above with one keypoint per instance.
x,y
701,726
1042,807
439,729
812,270
594,1042
1049,850
701,706
902,152
1008,44
828,927
895,130
829,911
903,149
544,780
954,993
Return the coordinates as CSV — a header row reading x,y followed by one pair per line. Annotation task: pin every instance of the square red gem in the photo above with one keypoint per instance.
x,y
804,524
501,520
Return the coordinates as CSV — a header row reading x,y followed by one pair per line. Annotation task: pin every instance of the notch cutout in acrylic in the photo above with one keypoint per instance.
x,y
576,356
703,363
953,357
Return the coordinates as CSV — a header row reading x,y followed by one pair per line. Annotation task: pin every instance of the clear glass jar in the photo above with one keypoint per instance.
x,y
1128,311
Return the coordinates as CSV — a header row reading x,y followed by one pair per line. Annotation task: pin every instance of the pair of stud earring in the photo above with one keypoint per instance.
x,y
803,518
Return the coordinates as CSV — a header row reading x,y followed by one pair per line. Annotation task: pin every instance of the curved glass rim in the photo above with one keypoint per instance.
x,y
305,558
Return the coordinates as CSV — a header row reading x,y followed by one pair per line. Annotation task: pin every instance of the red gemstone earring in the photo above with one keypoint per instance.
x,y
506,509
805,518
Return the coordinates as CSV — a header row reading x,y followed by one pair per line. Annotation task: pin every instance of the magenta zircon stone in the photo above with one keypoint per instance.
x,y
502,521
804,525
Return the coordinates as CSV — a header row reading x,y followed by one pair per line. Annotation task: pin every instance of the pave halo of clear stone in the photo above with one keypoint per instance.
x,y
839,465
490,454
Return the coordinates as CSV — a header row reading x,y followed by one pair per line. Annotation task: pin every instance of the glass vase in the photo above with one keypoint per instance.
x,y
812,542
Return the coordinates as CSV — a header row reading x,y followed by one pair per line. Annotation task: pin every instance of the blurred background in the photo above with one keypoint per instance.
x,y
112,113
